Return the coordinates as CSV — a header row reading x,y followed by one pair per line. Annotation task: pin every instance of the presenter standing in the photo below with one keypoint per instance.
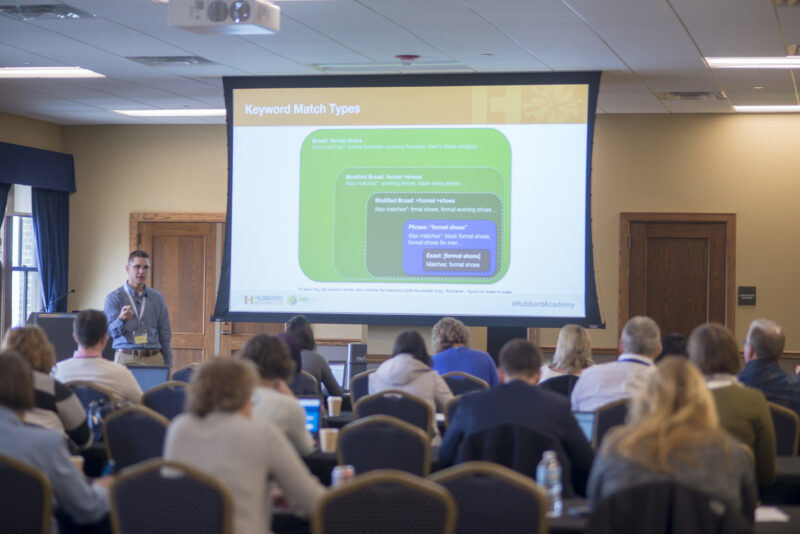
x,y
138,321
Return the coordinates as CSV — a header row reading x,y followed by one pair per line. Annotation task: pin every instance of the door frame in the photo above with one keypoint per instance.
x,y
728,219
136,218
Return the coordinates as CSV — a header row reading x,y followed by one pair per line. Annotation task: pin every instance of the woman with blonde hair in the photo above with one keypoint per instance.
x,y
56,406
451,340
219,435
573,353
673,434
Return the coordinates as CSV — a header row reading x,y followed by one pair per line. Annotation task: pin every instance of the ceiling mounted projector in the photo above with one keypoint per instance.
x,y
230,17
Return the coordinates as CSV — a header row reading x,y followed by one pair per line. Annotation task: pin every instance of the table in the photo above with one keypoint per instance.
x,y
786,489
322,463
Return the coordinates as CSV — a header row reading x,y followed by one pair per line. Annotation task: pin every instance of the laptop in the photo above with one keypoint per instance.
x,y
586,422
149,376
338,368
312,406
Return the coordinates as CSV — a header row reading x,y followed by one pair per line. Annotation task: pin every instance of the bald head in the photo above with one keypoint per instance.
x,y
765,339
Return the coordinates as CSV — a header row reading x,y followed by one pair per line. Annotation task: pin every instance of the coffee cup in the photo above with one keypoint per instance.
x,y
334,406
328,438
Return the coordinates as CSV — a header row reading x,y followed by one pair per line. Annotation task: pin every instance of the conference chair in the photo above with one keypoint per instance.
x,y
667,507
493,498
787,429
384,442
608,416
461,383
359,386
388,502
134,434
164,497
400,404
520,448
88,392
26,498
168,398
560,384
450,409
184,374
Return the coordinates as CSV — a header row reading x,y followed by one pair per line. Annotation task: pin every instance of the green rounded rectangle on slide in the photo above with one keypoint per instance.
x,y
355,182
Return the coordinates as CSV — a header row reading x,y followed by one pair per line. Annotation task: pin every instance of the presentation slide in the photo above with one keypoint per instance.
x,y
410,201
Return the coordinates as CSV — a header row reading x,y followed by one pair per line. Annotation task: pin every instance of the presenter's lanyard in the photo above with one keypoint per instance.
x,y
139,313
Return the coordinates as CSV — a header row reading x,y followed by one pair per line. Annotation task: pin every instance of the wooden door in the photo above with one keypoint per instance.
x,y
233,336
183,268
678,269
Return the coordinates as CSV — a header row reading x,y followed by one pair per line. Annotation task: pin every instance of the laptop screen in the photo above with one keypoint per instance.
x,y
337,368
312,407
586,422
148,376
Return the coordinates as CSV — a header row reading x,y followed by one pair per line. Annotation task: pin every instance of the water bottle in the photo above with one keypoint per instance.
x,y
548,476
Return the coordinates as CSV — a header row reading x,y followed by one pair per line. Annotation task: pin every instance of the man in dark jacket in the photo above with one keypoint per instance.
x,y
762,350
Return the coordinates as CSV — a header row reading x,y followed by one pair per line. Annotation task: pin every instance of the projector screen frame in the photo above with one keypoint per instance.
x,y
593,317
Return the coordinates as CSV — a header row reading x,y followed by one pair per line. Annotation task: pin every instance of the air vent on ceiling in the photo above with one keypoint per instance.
x,y
171,61
392,66
691,95
44,12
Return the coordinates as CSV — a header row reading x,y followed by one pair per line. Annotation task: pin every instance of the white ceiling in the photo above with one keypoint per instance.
x,y
643,47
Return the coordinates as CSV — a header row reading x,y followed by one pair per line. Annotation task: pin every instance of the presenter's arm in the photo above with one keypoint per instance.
x,y
165,334
112,308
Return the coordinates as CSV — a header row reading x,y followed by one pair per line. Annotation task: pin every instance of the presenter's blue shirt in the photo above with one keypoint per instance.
x,y
467,360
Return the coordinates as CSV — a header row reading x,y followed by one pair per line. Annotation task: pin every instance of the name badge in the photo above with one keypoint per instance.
x,y
140,337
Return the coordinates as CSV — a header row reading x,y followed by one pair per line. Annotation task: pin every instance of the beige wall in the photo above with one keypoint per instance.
x,y
743,164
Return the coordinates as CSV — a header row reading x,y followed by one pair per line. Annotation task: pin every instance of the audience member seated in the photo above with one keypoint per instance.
x,y
409,370
273,401
601,384
673,344
762,351
55,406
90,331
43,448
301,384
312,362
743,411
674,434
218,435
573,353
517,401
451,339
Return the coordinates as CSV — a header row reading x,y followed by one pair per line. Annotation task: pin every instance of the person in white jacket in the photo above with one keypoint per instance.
x,y
409,370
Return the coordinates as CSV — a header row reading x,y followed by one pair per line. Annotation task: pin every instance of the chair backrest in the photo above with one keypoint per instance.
x,y
517,447
493,498
87,392
665,508
26,498
607,417
388,502
163,497
787,429
396,403
384,442
359,386
560,384
184,374
450,409
167,399
134,434
461,383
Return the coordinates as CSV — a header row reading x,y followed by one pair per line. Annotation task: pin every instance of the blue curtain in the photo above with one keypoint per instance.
x,y
51,228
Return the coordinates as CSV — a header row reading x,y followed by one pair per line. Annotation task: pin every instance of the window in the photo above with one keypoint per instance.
x,y
25,289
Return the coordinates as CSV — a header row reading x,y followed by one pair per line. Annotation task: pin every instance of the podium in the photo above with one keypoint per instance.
x,y
58,327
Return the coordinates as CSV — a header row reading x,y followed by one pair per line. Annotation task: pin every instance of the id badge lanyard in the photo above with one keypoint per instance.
x,y
140,334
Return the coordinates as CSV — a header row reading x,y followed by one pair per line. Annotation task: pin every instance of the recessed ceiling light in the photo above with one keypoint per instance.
x,y
171,112
48,72
759,87
788,62
767,109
